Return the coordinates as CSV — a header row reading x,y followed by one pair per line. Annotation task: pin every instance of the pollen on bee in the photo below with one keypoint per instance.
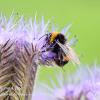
x,y
66,58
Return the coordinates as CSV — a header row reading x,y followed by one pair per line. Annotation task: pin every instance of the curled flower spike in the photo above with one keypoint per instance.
x,y
84,84
23,46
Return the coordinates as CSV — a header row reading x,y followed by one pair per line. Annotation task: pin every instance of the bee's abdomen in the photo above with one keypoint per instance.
x,y
60,62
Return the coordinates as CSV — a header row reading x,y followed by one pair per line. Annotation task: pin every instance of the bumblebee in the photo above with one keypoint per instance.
x,y
64,53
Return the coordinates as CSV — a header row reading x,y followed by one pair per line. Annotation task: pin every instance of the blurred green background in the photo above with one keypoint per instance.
x,y
83,14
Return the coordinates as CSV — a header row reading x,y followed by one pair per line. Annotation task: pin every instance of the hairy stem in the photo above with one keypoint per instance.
x,y
17,71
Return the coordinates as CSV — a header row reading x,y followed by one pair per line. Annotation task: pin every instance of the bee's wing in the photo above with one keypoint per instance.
x,y
70,53
73,56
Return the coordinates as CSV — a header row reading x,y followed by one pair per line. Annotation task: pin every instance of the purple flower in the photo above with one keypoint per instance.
x,y
23,32
84,84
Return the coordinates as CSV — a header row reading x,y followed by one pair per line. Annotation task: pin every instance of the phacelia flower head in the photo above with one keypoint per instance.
x,y
84,84
50,46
